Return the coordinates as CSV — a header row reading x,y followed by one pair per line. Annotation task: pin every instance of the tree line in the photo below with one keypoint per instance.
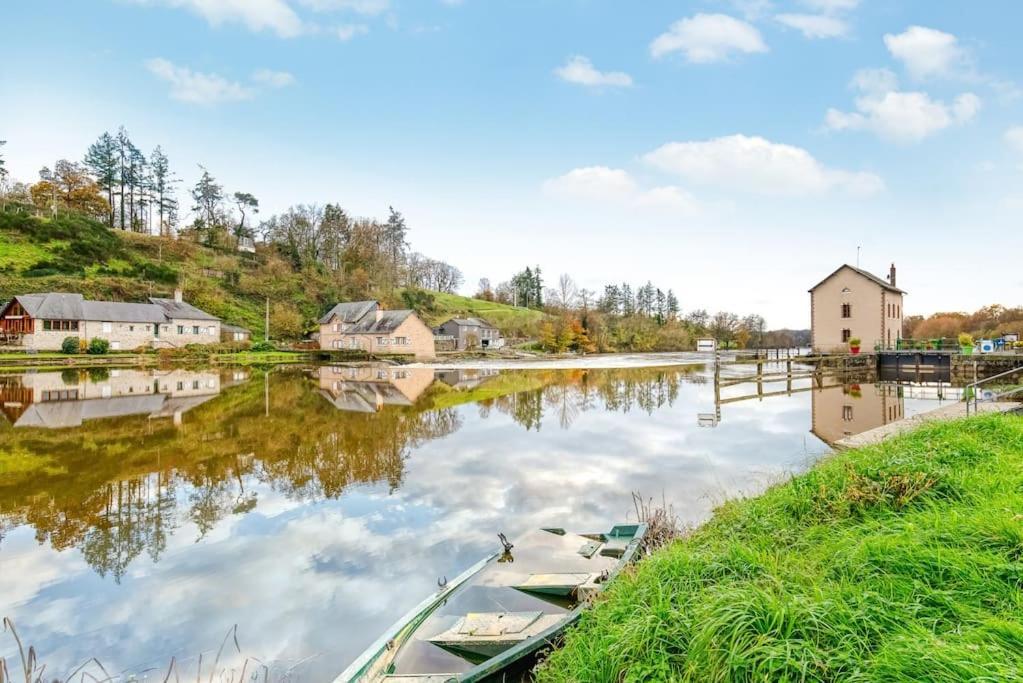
x,y
116,183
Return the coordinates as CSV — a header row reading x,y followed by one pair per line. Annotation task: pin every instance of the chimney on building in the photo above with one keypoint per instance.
x,y
891,276
179,298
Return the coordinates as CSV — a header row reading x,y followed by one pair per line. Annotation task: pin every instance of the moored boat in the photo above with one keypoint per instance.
x,y
500,611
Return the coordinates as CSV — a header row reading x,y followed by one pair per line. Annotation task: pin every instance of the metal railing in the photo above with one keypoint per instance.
x,y
973,396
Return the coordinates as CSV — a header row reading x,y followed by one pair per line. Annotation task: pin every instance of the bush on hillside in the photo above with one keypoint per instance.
x,y
262,347
69,345
98,346
83,241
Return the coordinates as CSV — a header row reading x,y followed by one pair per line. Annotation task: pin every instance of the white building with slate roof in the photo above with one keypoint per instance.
x,y
42,322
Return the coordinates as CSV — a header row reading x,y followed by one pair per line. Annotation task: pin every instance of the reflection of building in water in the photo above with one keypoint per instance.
x,y
66,399
843,410
468,378
368,389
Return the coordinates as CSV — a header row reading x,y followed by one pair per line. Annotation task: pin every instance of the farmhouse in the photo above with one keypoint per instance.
x,y
363,325
853,304
41,322
471,333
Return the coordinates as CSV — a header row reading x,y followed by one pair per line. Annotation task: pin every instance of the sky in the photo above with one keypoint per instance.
x,y
735,151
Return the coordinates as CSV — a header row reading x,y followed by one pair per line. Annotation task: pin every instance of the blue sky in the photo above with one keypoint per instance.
x,y
735,151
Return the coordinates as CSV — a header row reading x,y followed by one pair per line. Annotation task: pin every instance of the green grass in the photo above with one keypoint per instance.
x,y
897,562
502,315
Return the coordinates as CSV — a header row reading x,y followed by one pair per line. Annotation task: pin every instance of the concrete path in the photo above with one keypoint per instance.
x,y
950,412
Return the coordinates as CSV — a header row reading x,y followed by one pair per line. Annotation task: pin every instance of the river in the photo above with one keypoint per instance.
x,y
145,513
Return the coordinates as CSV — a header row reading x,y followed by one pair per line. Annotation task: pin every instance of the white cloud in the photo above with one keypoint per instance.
x,y
273,79
832,6
256,15
707,38
898,115
1014,136
346,32
927,52
754,164
197,87
366,7
614,185
815,25
579,69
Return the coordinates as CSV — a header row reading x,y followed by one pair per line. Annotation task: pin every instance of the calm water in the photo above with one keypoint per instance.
x,y
143,514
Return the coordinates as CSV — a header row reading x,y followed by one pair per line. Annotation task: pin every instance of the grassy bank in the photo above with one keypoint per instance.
x,y
902,561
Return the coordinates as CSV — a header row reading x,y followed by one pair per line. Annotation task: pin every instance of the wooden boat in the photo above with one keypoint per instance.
x,y
500,611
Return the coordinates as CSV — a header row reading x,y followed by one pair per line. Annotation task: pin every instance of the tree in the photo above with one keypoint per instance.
x,y
163,192
566,295
123,154
102,160
671,307
69,187
244,200
3,167
207,195
394,234
484,290
137,180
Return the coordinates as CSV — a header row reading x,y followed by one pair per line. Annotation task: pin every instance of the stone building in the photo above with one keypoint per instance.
x,y
41,322
854,304
471,333
364,326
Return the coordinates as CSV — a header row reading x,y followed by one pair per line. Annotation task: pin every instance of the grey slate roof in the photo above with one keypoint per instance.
x,y
870,276
470,322
389,321
234,328
180,309
350,312
62,306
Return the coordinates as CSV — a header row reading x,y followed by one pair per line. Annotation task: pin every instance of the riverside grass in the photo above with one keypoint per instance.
x,y
896,562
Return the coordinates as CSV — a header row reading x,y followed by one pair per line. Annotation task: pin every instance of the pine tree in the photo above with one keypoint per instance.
x,y
136,186
123,152
628,303
671,306
660,306
207,195
163,191
3,169
102,160
537,288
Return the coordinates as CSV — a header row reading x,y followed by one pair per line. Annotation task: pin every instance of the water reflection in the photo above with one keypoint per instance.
x,y
314,507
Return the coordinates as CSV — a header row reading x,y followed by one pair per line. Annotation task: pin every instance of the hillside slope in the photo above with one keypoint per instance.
x,y
77,254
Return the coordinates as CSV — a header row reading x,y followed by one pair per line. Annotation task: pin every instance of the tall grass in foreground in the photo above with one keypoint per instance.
x,y
30,669
902,561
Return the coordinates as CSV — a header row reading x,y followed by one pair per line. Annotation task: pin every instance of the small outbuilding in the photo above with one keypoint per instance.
x,y
470,334
234,333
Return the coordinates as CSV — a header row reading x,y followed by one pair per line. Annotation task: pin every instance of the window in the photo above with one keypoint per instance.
x,y
181,329
383,341
846,310
108,327
181,386
195,384
195,329
401,341
212,331
846,335
47,326
131,328
353,343
381,374
847,413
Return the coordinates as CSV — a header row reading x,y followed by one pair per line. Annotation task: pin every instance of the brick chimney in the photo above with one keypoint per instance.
x,y
891,276
179,298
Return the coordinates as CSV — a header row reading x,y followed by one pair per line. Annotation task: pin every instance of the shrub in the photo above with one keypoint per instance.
x,y
70,345
83,346
98,346
855,341
965,339
262,347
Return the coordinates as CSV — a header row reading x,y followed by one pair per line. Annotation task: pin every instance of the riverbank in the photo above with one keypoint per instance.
x,y
898,561
15,362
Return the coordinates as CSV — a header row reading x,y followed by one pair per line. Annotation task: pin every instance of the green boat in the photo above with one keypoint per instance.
x,y
497,614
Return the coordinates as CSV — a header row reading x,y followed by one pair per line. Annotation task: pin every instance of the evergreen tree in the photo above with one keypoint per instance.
x,y
102,160
163,182
628,304
123,153
537,288
207,195
671,306
3,169
136,186
660,307
244,200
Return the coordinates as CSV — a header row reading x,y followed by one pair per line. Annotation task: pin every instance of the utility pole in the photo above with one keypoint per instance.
x,y
266,322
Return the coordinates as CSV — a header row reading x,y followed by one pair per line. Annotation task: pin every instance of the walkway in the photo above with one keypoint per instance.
x,y
950,412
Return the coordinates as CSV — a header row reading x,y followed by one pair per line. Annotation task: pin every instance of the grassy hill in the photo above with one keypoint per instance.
x,y
77,254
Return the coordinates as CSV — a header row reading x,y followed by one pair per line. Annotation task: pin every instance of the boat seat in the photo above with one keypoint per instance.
x,y
491,633
554,584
